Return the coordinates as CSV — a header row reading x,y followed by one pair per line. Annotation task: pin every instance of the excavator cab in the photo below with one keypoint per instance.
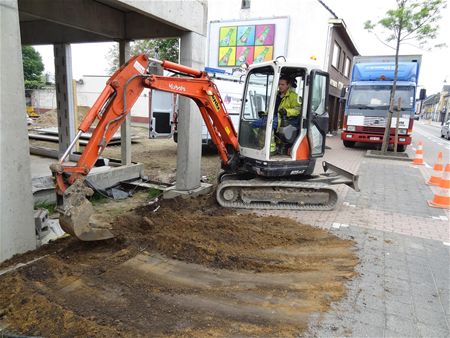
x,y
275,144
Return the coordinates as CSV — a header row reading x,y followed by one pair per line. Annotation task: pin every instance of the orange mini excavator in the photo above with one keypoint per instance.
x,y
269,165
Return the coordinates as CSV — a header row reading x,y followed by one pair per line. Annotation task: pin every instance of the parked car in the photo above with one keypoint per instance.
x,y
445,130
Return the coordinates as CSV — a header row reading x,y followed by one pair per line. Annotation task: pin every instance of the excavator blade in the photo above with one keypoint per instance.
x,y
77,215
340,176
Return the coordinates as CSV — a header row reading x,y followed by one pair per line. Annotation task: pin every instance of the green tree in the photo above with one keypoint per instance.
x,y
32,67
411,21
164,49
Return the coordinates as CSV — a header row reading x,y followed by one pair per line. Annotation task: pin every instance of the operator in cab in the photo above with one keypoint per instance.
x,y
288,108
287,103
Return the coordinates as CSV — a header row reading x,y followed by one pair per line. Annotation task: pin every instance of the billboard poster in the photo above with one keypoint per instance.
x,y
234,43
228,36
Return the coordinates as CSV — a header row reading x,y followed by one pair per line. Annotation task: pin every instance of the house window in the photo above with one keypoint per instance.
x,y
347,67
336,56
342,64
245,4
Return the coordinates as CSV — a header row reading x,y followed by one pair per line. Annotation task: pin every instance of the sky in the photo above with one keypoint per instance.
x,y
90,59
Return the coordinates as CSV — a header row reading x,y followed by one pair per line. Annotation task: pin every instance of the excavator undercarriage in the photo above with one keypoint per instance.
x,y
311,193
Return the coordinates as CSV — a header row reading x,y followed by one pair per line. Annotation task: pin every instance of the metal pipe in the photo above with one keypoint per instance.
x,y
72,144
156,61
99,103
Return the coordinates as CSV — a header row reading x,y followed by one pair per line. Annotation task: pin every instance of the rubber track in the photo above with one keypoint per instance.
x,y
312,187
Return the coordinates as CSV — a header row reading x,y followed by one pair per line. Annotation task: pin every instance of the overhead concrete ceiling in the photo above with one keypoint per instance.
x,y
80,21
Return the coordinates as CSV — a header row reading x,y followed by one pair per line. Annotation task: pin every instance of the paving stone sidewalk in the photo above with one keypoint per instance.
x,y
402,290
403,285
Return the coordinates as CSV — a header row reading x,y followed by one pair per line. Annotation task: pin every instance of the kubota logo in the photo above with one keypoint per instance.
x,y
176,87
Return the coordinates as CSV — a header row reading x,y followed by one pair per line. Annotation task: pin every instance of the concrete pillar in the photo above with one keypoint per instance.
x,y
64,95
189,149
125,128
17,233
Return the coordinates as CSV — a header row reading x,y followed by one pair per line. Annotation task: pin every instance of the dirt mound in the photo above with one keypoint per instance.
x,y
50,118
184,267
198,231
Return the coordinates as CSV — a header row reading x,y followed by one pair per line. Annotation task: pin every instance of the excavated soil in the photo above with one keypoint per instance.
x,y
182,267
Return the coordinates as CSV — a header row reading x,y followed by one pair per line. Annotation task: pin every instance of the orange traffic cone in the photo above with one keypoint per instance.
x,y
438,168
418,160
442,198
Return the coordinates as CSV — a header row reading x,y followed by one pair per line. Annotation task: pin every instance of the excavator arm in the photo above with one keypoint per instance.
x,y
110,109
207,97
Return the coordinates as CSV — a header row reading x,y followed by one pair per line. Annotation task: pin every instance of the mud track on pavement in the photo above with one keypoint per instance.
x,y
187,268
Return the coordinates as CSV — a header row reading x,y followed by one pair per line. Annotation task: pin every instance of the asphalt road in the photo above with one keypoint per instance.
x,y
430,135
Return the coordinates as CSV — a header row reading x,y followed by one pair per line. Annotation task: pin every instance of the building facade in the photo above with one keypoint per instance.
x,y
436,107
340,62
314,34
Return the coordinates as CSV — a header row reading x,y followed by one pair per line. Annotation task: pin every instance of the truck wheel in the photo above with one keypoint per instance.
x,y
349,144
401,148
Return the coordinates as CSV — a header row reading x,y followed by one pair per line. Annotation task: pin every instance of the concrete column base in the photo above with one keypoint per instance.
x,y
203,189
103,177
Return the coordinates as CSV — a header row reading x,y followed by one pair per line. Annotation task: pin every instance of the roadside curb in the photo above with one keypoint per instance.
x,y
389,156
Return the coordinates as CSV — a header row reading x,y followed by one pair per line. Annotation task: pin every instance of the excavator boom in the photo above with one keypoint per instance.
x,y
110,109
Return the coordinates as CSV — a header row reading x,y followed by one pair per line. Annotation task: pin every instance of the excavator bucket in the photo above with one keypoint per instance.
x,y
77,215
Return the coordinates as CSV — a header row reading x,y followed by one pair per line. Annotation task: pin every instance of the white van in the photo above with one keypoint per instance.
x,y
231,92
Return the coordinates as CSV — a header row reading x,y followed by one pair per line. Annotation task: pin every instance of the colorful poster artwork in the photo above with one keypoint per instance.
x,y
246,36
265,35
245,44
227,56
263,53
227,36
244,55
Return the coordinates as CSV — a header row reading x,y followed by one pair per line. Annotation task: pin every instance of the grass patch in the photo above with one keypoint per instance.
x,y
152,193
98,198
46,205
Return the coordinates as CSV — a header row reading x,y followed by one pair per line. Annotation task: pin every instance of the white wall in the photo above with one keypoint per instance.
x,y
308,29
43,99
92,86
87,92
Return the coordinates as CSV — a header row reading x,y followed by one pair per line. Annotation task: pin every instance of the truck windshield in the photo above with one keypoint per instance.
x,y
377,97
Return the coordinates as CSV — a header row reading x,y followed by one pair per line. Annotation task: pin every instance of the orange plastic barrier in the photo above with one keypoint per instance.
x,y
438,170
418,160
442,198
